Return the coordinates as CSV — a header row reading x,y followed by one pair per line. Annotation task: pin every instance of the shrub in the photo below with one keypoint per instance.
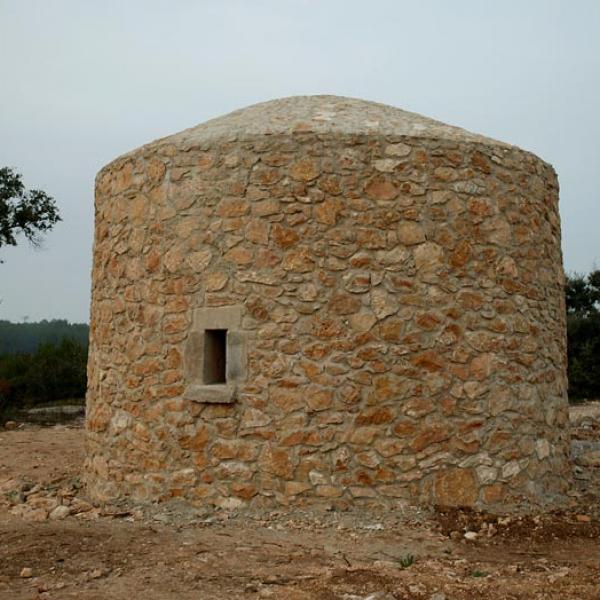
x,y
53,372
583,335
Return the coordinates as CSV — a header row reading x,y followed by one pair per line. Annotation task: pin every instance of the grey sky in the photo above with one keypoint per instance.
x,y
82,82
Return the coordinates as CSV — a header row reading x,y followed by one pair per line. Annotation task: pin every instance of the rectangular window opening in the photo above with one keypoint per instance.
x,y
215,356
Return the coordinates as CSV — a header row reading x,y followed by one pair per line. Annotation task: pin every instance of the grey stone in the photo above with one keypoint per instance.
x,y
211,394
59,513
589,459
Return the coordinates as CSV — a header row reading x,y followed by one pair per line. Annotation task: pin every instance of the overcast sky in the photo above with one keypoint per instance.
x,y
82,82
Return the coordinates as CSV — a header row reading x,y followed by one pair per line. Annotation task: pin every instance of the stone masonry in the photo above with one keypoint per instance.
x,y
321,298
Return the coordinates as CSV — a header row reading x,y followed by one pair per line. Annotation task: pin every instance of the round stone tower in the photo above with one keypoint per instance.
x,y
322,298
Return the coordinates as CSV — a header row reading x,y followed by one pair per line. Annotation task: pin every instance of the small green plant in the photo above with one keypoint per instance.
x,y
407,561
479,573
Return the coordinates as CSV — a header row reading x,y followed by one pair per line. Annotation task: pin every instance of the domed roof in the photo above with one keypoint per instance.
x,y
321,115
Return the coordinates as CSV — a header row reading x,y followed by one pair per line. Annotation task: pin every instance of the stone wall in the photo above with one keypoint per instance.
x,y
401,312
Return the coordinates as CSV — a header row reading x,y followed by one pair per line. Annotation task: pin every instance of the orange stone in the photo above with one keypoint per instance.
x,y
224,450
410,233
198,441
266,176
328,491
99,418
404,428
471,300
205,161
481,366
429,360
276,461
493,494
432,434
284,237
286,399
391,329
216,281
175,323
153,260
418,407
461,254
243,490
428,321
480,162
233,207
371,238
257,231
330,184
305,169
265,208
385,475
290,347
364,478
317,350
381,188
299,261
239,255
327,212
293,488
363,435
390,447
293,439
276,159
375,416
455,487
344,304
323,327
480,207
319,400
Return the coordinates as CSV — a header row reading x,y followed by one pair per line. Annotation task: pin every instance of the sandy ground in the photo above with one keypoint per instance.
x,y
167,552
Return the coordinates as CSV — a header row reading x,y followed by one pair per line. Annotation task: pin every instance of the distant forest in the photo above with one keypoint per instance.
x,y
25,338
41,363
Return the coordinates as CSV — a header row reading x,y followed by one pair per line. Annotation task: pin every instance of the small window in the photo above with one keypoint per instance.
x,y
215,356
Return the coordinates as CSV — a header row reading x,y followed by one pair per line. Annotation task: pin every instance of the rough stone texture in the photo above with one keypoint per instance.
x,y
403,328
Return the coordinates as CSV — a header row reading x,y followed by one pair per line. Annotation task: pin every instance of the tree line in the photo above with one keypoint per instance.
x,y
583,335
24,338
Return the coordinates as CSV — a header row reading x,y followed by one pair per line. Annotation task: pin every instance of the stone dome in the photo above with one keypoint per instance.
x,y
321,114
326,299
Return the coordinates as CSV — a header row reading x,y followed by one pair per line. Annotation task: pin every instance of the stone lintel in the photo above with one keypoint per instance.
x,y
218,317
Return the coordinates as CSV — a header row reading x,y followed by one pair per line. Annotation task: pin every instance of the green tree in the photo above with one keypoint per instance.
x,y
53,372
13,379
583,293
23,212
583,335
57,372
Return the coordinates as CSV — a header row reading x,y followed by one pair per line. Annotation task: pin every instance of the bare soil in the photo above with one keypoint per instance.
x,y
173,552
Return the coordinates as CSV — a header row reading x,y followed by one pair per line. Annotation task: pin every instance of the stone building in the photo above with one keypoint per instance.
x,y
322,298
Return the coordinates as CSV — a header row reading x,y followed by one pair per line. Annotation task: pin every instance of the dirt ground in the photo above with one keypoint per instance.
x,y
168,552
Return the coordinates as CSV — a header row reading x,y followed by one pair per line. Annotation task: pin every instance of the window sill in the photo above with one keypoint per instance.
x,y
216,393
